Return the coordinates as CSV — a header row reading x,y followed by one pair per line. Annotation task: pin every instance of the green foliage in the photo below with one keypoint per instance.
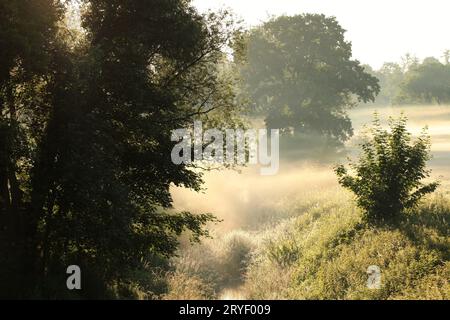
x,y
390,76
299,74
428,82
85,167
26,29
283,252
389,174
413,82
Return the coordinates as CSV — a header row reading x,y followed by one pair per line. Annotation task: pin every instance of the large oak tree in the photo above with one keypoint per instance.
x,y
299,73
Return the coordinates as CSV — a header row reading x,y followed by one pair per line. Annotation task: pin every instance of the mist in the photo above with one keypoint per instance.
x,y
243,198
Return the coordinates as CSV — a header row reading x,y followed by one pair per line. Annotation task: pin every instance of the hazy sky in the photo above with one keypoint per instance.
x,y
380,30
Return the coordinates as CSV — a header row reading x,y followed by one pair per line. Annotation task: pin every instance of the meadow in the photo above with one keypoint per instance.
x,y
298,234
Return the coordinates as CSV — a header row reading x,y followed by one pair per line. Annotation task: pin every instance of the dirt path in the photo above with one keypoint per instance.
x,y
235,293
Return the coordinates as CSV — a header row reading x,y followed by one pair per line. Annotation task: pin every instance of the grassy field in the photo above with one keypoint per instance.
x,y
298,235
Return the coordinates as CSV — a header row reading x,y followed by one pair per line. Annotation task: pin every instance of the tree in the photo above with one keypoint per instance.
x,y
96,125
408,62
390,76
447,57
389,174
428,82
299,73
27,33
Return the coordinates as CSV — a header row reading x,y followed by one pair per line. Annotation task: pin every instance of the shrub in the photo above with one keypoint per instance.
x,y
390,172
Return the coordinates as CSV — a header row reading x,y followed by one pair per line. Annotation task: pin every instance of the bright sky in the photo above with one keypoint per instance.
x,y
380,30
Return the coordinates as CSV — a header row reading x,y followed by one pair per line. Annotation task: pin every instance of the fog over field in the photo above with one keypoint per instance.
x,y
245,197
260,210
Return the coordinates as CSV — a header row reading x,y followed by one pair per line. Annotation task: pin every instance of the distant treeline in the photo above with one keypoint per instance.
x,y
414,82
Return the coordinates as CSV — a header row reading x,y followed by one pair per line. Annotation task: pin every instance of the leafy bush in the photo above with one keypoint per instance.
x,y
390,171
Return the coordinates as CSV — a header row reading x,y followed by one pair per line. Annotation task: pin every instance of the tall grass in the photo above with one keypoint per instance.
x,y
211,267
326,253
298,235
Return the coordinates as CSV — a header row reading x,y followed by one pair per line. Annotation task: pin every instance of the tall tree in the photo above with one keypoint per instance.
x,y
98,171
27,33
390,76
300,73
428,82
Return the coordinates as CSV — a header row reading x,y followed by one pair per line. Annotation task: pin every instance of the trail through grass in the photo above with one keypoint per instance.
x,y
296,235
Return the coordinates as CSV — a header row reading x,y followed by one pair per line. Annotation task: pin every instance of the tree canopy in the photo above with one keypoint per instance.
x,y
85,166
413,81
428,82
299,73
